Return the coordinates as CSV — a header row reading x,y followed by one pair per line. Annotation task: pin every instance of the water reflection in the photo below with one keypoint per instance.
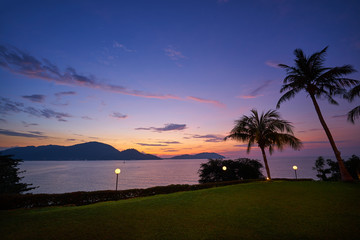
x,y
71,176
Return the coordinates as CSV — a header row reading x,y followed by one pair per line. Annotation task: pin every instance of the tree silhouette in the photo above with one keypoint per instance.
x,y
311,76
9,176
355,112
267,131
243,168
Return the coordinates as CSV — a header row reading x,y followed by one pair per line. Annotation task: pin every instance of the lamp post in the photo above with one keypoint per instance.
x,y
117,171
295,168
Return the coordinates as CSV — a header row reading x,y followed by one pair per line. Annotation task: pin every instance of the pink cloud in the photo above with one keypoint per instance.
x,y
217,103
173,54
273,64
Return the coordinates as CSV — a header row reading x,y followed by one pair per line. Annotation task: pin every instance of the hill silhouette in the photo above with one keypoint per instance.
x,y
83,151
204,155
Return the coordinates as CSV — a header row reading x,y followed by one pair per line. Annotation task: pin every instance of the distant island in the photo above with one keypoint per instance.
x,y
84,151
204,155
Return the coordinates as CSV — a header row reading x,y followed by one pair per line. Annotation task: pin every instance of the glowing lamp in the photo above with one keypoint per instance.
x,y
295,168
117,171
224,168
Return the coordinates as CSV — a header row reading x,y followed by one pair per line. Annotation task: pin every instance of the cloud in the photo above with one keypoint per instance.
x,y
340,116
118,115
29,124
310,130
170,150
151,145
7,106
171,142
86,118
59,94
121,46
210,138
168,127
21,134
241,145
2,120
256,92
38,98
272,64
20,62
216,103
173,54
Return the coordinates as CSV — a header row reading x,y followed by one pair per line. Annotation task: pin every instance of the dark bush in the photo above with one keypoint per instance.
x,y
329,171
243,168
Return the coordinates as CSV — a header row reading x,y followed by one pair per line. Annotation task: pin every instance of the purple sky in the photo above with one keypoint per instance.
x,y
167,77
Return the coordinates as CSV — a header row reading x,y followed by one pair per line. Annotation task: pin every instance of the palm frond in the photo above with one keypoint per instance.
x,y
353,114
355,92
287,96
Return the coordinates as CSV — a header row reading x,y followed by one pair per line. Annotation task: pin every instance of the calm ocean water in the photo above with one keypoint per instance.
x,y
72,176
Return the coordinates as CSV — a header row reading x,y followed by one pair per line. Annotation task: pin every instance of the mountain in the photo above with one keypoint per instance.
x,y
84,151
204,155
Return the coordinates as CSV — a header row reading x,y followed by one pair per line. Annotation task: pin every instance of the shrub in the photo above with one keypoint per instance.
x,y
332,172
216,170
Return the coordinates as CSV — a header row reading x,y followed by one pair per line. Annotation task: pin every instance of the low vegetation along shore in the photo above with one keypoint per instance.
x,y
258,210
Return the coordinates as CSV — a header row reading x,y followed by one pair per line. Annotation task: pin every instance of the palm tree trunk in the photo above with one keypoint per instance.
x,y
345,176
266,163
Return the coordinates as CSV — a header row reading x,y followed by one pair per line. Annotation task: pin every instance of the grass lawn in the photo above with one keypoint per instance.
x,y
259,210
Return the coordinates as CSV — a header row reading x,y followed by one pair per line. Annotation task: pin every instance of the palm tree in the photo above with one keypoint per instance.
x,y
355,112
311,76
267,131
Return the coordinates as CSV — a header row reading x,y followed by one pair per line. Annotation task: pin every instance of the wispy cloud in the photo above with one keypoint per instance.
x,y
202,100
121,46
168,127
86,118
151,144
38,98
173,54
272,64
322,142
7,106
2,120
20,62
29,124
171,142
340,116
32,134
310,130
118,115
257,91
60,94
210,137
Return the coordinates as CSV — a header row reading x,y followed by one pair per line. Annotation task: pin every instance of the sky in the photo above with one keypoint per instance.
x,y
168,77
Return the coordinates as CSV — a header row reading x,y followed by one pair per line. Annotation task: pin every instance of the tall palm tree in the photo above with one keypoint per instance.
x,y
355,112
267,131
311,76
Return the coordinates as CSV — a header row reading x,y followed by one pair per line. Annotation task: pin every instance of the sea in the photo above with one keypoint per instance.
x,y
74,176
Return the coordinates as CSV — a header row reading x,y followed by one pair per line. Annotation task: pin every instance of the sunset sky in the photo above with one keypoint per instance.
x,y
167,77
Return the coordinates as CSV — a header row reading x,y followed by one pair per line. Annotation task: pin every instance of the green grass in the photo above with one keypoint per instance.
x,y
260,210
